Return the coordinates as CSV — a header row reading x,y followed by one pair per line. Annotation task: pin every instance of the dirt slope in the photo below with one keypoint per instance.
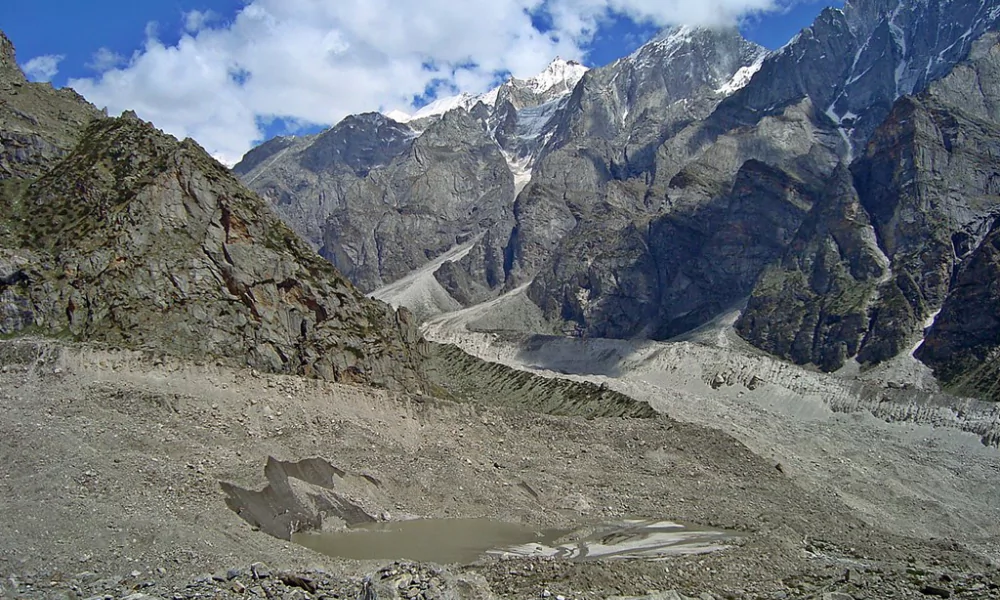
x,y
112,463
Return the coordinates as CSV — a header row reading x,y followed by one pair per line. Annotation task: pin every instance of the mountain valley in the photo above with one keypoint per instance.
x,y
708,284
624,200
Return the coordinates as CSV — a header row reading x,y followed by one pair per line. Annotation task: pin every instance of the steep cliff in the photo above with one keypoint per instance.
x,y
926,184
378,199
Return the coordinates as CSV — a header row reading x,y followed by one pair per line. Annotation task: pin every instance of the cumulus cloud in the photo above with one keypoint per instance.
x,y
581,18
315,61
196,20
105,59
43,68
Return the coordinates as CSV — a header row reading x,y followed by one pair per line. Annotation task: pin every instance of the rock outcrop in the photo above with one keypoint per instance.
x,y
592,176
37,123
867,269
131,238
813,306
802,110
378,201
925,185
963,344
661,278
853,63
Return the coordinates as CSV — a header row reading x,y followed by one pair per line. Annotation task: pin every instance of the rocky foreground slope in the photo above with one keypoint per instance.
x,y
112,464
700,171
115,232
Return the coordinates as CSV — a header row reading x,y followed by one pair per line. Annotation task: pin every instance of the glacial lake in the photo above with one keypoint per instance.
x,y
467,540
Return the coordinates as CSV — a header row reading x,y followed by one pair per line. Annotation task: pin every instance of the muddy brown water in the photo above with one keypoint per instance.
x,y
425,540
467,540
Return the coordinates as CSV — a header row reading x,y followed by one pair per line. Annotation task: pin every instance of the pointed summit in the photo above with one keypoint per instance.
x,y
560,76
212,272
558,79
688,58
45,123
675,33
9,71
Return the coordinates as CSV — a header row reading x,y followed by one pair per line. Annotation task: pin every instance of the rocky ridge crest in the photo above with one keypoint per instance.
x,y
129,237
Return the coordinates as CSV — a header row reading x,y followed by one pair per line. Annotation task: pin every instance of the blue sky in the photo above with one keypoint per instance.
x,y
212,69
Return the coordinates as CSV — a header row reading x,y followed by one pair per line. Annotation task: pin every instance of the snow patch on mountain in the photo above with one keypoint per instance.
x,y
520,168
439,107
559,79
561,76
742,77
398,116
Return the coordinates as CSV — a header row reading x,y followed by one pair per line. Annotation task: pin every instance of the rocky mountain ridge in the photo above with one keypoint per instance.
x,y
925,203
115,232
528,123
840,183
558,79
780,118
37,123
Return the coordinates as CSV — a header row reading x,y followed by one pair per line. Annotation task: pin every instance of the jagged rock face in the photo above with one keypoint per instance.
x,y
676,283
963,344
709,246
141,241
304,186
608,131
848,68
452,184
269,150
925,175
924,198
642,99
523,130
813,306
853,63
664,185
928,182
926,185
9,71
358,143
377,200
673,80
37,124
664,277
378,197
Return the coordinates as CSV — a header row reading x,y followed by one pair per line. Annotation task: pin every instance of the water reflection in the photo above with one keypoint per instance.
x,y
648,539
467,540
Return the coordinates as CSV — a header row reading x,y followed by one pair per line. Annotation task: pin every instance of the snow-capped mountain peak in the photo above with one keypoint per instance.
x,y
558,79
675,34
437,107
560,75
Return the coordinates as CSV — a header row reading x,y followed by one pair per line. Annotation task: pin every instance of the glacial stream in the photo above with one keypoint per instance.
x,y
468,540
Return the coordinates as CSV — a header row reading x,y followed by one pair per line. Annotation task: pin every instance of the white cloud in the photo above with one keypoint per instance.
x,y
316,61
196,20
43,68
105,59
